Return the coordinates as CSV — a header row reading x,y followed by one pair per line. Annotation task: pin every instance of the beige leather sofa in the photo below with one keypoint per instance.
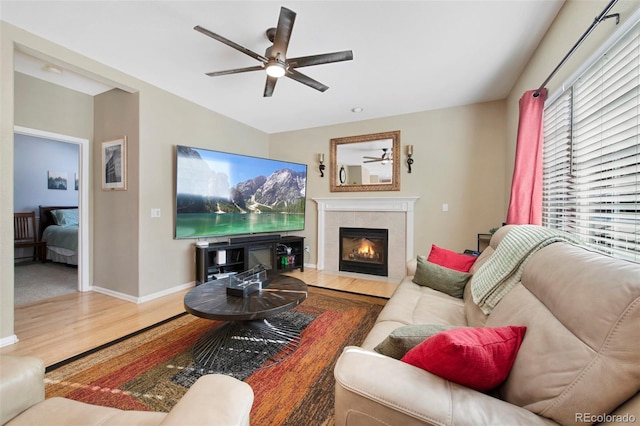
x,y
212,400
579,362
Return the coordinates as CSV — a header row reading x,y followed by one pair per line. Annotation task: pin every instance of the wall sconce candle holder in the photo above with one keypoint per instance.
x,y
409,156
322,166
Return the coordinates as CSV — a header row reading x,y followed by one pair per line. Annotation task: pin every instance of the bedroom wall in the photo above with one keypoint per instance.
x,y
571,22
459,160
33,159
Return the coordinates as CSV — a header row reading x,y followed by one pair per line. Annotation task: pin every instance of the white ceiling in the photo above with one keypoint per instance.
x,y
409,56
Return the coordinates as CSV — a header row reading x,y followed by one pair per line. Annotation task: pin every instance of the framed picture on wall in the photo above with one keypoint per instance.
x,y
56,180
114,164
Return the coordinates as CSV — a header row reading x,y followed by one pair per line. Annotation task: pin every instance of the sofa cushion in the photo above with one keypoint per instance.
x,y
439,278
479,358
402,339
414,304
450,259
582,351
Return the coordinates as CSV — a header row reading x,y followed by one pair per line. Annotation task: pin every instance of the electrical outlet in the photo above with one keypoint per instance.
x,y
306,248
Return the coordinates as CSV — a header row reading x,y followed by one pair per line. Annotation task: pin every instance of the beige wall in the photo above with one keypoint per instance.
x,y
570,24
459,160
45,106
155,121
6,185
115,219
42,106
166,121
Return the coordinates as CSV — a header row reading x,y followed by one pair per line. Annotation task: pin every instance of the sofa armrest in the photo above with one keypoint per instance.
x,y
21,384
412,266
214,399
374,389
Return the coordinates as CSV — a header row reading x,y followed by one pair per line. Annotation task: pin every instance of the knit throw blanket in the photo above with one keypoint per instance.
x,y
503,270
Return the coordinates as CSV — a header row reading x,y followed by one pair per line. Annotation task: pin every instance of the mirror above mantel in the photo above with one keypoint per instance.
x,y
366,163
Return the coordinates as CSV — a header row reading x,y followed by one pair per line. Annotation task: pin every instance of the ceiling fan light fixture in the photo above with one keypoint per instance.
x,y
275,69
275,61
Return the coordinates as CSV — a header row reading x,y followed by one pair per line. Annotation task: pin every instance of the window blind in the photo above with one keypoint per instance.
x,y
557,206
591,154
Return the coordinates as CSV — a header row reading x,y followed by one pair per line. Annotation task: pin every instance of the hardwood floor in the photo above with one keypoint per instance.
x,y
65,326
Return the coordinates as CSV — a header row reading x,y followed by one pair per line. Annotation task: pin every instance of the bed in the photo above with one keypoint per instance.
x,y
62,239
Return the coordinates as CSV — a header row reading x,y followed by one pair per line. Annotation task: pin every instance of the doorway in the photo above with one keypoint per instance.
x,y
82,196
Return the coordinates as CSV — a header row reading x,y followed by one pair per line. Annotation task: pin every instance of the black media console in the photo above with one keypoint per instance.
x,y
277,254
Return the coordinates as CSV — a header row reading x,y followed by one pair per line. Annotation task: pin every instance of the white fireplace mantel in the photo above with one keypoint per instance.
x,y
365,204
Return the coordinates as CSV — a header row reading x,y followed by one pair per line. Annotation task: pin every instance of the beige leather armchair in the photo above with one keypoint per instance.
x,y
213,400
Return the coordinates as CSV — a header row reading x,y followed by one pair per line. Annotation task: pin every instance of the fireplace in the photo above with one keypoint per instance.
x,y
397,214
364,250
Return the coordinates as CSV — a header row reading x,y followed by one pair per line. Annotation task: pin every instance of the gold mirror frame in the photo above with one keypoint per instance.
x,y
337,168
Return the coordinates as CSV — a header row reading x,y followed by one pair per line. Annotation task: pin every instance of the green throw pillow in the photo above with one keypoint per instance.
x,y
440,278
406,337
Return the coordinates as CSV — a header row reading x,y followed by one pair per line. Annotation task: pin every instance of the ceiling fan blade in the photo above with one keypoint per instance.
x,y
235,71
305,61
231,44
301,78
372,161
283,33
269,86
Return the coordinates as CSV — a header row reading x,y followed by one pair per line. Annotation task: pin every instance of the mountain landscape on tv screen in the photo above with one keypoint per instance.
x,y
203,190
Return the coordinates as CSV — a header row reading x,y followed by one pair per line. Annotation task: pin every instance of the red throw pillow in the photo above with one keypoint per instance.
x,y
450,259
479,358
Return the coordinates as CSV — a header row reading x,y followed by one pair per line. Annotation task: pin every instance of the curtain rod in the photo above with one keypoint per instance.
x,y
595,23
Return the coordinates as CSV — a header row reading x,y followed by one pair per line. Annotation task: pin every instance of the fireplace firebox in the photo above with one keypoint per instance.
x,y
364,250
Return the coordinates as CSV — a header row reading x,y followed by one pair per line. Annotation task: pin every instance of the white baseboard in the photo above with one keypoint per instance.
x,y
9,340
166,292
142,299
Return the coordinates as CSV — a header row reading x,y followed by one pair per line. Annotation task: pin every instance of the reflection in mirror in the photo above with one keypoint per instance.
x,y
366,163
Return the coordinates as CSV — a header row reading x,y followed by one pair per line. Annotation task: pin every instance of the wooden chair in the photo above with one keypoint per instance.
x,y
25,236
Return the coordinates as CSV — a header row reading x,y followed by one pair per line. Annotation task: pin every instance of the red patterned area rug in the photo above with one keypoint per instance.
x,y
152,370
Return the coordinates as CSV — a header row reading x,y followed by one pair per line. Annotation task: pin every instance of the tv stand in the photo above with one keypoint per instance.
x,y
253,239
222,259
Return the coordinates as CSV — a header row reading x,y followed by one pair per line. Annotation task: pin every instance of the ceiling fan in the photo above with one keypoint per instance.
x,y
275,61
386,156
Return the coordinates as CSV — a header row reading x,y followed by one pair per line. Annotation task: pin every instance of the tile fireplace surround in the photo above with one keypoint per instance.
x,y
393,213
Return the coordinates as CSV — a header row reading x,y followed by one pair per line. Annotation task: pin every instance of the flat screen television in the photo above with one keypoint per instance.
x,y
223,194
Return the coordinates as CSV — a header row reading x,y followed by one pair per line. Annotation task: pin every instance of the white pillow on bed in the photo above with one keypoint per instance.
x,y
65,217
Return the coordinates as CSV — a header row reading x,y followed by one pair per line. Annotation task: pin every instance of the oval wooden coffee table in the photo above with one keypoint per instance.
x,y
256,333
